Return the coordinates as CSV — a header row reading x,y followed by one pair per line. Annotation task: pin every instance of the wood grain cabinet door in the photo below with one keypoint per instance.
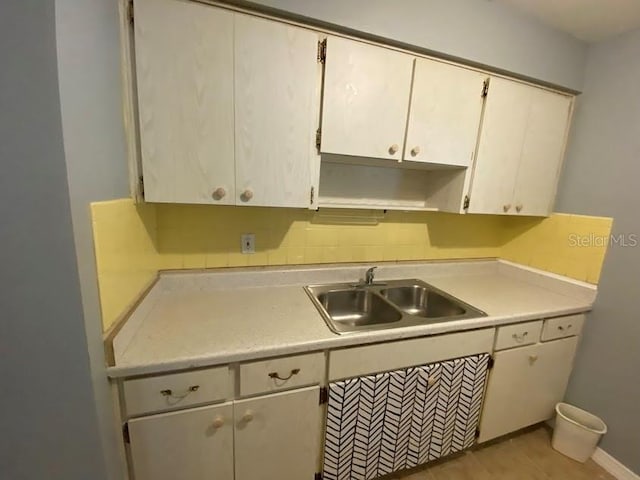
x,y
277,104
184,67
444,119
365,99
277,436
194,444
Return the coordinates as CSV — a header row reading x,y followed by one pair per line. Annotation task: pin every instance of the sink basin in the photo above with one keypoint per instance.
x,y
348,308
422,301
357,307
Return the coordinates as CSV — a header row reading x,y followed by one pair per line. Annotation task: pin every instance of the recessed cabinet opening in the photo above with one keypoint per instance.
x,y
392,187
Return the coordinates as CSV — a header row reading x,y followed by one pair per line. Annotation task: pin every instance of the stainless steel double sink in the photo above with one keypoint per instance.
x,y
349,307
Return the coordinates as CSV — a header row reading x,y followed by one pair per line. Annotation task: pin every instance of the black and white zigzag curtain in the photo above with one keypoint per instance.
x,y
387,422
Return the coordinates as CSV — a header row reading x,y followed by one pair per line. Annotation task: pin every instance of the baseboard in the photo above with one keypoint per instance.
x,y
613,466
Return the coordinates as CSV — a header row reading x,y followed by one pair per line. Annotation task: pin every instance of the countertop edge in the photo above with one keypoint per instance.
x,y
338,341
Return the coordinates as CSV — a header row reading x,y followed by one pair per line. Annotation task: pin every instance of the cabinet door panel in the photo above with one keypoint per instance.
x,y
188,445
365,99
503,131
379,424
542,152
276,112
444,119
184,67
281,440
525,385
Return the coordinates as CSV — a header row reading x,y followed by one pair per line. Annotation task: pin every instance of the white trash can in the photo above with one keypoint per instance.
x,y
576,433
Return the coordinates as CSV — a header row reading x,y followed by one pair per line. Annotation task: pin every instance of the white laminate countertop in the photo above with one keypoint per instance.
x,y
221,316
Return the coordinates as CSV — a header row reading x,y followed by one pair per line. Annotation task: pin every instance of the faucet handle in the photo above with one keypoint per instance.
x,y
369,275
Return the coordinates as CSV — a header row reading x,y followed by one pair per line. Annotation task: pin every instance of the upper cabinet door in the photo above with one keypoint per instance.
x,y
503,132
542,152
444,118
277,80
184,67
365,99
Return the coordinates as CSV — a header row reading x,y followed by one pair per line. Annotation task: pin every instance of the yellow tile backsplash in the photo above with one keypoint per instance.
x,y
134,242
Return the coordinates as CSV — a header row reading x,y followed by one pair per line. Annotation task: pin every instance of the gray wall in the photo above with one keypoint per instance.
x,y
48,420
91,102
479,31
601,178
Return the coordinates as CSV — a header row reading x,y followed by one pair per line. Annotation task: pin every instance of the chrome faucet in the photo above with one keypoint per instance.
x,y
368,277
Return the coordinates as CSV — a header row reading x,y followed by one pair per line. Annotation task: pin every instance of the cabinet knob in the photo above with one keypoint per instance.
x,y
219,193
518,207
431,381
393,149
248,416
218,422
415,151
533,359
247,195
506,207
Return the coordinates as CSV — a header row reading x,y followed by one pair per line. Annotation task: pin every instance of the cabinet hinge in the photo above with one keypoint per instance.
x,y
313,195
317,476
324,395
125,433
141,185
322,51
485,88
491,363
318,138
467,201
130,11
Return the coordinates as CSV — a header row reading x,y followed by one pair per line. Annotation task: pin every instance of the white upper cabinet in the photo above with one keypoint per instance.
x,y
445,112
365,99
184,67
520,149
277,78
542,153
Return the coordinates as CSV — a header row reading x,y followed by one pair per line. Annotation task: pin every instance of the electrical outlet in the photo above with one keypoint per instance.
x,y
248,242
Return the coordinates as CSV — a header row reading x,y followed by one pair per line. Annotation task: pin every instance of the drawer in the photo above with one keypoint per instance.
x,y
281,373
170,392
562,327
518,335
382,357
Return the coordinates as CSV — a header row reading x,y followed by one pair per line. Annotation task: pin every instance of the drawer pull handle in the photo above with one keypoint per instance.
x,y
169,393
520,338
276,376
561,328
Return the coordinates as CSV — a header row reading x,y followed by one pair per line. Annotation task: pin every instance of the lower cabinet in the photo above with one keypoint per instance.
x,y
193,444
382,423
525,385
264,438
277,437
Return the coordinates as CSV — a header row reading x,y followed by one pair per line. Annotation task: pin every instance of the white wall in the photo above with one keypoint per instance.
x,y
479,31
601,178
48,418
88,49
